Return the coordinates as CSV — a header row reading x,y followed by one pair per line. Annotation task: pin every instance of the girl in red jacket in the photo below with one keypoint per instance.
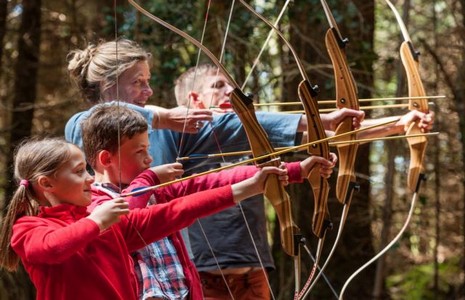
x,y
70,253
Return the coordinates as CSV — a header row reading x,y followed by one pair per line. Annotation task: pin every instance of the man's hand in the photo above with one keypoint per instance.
x,y
426,120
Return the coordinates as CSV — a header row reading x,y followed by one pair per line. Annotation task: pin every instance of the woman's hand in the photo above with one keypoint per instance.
x,y
181,119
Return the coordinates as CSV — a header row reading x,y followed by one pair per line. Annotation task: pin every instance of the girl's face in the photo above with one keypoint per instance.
x,y
71,183
132,159
133,84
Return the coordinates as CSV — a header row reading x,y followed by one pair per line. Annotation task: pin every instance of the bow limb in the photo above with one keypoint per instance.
x,y
410,61
417,145
273,187
346,96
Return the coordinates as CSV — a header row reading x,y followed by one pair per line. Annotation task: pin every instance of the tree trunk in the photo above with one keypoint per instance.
x,y
460,104
23,111
386,220
3,28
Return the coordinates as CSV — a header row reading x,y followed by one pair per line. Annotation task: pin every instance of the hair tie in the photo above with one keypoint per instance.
x,y
24,182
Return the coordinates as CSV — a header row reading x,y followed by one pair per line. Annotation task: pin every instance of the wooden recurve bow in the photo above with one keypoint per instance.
x,y
274,190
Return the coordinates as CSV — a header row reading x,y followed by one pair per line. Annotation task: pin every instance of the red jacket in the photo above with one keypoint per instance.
x,y
166,194
67,257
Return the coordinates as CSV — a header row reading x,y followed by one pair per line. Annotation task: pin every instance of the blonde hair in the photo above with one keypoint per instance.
x,y
185,83
33,158
96,68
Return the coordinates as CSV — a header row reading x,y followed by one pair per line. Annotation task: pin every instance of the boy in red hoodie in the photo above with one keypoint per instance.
x,y
122,165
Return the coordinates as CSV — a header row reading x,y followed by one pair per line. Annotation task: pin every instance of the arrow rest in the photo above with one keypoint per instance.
x,y
415,53
421,178
299,240
353,187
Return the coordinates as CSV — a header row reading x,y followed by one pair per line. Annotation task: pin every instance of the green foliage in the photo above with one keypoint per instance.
x,y
418,282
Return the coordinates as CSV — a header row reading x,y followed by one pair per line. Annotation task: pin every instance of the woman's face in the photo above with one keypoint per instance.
x,y
133,85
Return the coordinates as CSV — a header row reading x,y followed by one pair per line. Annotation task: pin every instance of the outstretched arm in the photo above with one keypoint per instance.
x,y
425,123
179,119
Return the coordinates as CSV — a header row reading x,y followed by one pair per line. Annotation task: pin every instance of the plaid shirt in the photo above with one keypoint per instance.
x,y
157,266
159,271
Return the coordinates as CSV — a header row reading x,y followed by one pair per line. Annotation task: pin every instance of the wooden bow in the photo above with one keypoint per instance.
x,y
410,61
274,190
346,97
320,187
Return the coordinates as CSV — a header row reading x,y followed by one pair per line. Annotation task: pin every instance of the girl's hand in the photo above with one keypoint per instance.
x,y
108,213
325,166
168,172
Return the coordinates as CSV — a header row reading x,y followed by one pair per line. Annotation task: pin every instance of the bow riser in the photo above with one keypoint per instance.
x,y
417,145
274,190
346,97
320,187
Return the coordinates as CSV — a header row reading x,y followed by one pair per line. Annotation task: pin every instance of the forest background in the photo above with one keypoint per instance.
x,y
37,97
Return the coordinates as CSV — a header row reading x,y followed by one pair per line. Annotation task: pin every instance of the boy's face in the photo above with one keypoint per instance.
x,y
134,158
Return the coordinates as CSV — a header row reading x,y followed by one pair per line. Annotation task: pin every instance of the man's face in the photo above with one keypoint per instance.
x,y
214,91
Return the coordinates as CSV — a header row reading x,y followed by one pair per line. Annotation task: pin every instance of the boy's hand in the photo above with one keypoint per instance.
x,y
331,120
168,172
260,177
108,213
325,165
256,185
